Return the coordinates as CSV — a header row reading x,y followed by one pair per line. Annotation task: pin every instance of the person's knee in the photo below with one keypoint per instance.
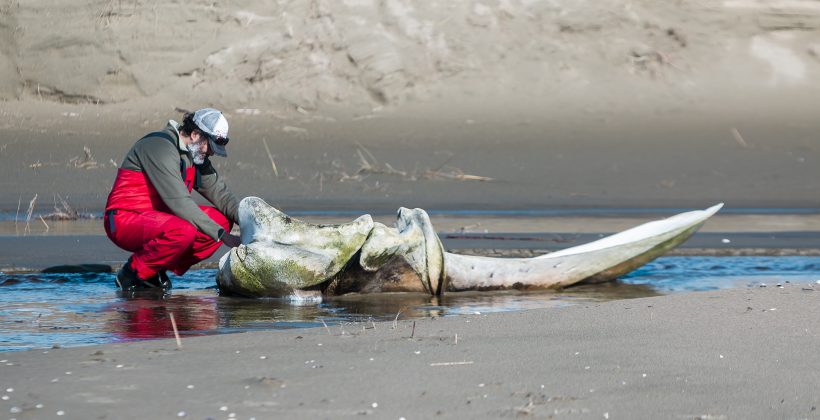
x,y
182,234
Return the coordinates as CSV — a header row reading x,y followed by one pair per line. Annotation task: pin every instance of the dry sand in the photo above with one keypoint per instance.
x,y
564,104
727,354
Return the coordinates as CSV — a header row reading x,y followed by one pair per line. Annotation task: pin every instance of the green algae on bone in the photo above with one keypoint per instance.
x,y
283,254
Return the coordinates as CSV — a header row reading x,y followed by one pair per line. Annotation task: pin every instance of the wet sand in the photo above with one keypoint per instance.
x,y
726,354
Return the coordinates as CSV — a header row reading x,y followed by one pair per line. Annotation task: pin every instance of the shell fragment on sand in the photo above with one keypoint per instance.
x,y
281,256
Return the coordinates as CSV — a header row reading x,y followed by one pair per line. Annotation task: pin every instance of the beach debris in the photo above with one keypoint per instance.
x,y
762,284
30,210
63,211
454,174
370,165
4,398
726,241
182,414
223,408
176,332
9,390
190,387
60,413
292,129
470,362
270,156
738,138
85,162
15,410
374,405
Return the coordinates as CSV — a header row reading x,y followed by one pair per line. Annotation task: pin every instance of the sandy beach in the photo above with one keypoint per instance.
x,y
522,126
712,355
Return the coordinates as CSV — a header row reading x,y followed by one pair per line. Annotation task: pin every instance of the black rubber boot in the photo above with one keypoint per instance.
x,y
163,280
127,279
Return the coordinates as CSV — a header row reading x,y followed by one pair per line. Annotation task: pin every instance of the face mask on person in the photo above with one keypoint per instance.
x,y
199,150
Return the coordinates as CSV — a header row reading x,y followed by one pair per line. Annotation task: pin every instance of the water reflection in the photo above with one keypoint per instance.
x,y
70,309
148,316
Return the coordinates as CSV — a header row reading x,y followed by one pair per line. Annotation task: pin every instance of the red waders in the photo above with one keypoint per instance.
x,y
137,220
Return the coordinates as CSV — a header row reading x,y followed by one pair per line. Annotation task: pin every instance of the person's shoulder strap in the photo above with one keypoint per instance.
x,y
165,135
160,134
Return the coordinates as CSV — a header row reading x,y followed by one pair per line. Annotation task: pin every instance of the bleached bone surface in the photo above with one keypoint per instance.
x,y
602,260
281,255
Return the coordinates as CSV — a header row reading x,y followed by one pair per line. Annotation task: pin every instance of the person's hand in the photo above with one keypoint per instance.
x,y
232,241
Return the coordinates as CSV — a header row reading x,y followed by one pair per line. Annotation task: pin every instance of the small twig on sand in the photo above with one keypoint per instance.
x,y
44,222
176,332
396,321
370,165
86,162
470,362
413,332
28,214
526,409
738,138
62,212
270,156
456,341
366,151
456,174
326,328
19,200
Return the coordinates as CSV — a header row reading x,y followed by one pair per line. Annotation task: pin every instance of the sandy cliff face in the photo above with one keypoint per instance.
x,y
374,53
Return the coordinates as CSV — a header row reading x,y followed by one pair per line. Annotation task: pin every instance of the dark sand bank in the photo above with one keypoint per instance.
x,y
741,353
415,159
84,242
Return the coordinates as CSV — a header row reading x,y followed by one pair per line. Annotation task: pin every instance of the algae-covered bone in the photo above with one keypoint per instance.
x,y
281,256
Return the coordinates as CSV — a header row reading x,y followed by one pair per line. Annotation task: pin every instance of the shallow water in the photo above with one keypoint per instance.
x,y
46,310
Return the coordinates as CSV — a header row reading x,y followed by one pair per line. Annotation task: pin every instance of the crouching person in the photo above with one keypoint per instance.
x,y
150,211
